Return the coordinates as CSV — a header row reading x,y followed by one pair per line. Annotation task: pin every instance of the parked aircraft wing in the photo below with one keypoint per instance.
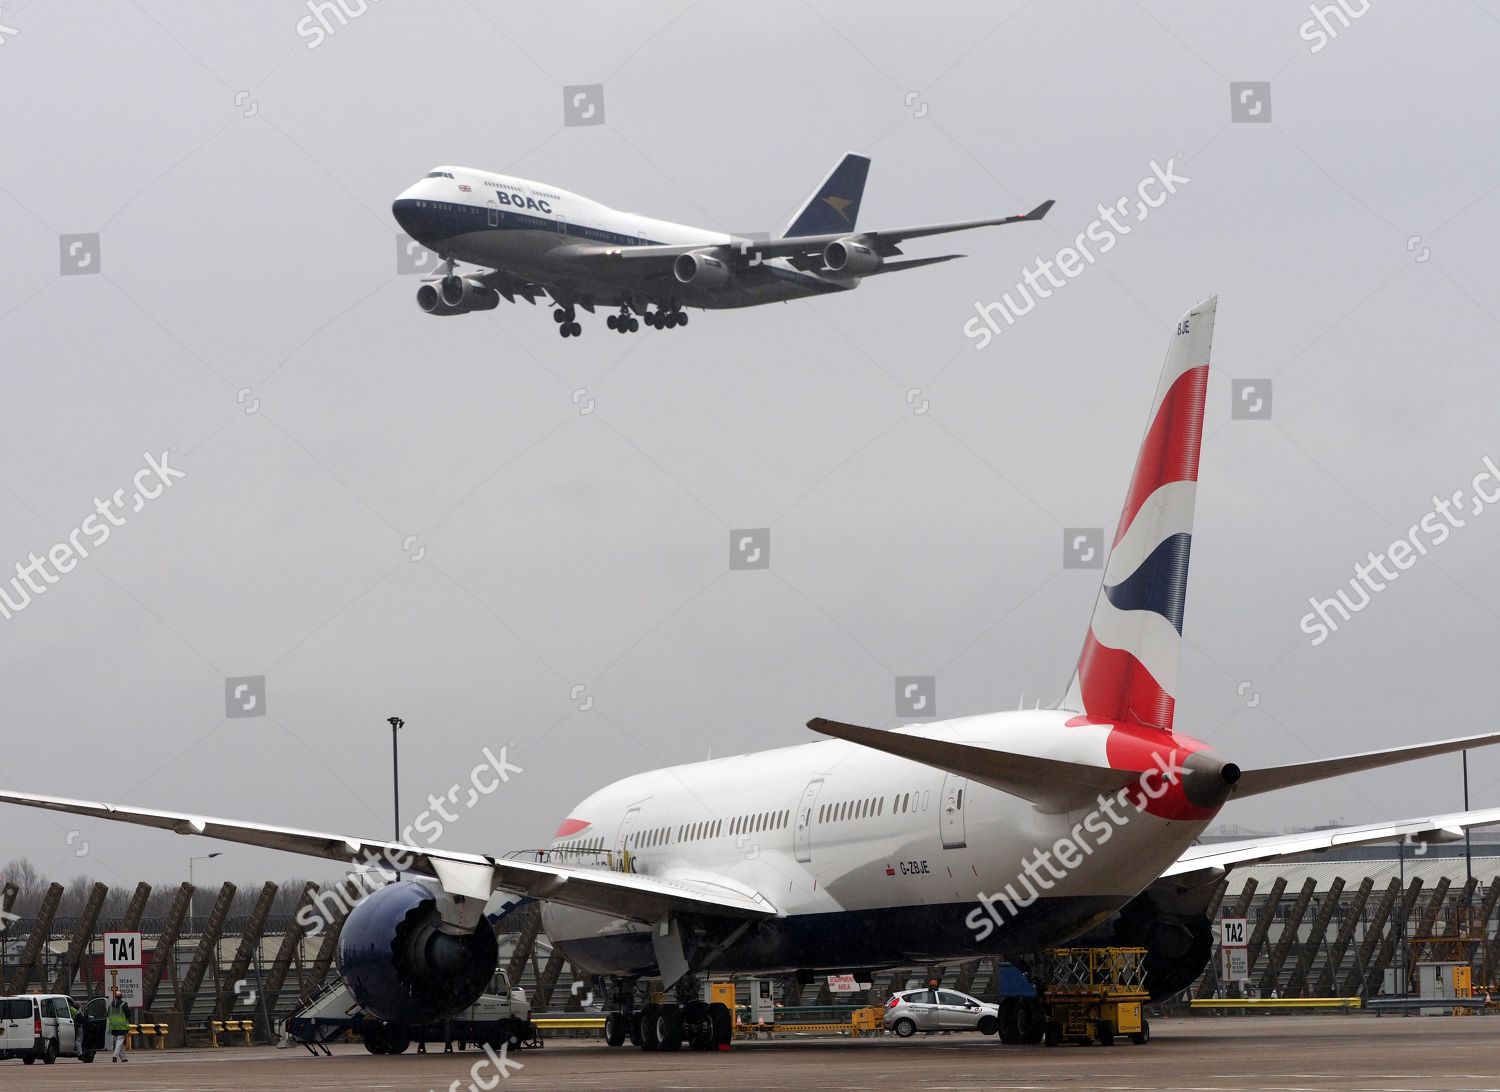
x,y
1432,829
620,894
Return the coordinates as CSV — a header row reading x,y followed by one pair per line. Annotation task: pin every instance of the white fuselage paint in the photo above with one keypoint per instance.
x,y
848,862
529,240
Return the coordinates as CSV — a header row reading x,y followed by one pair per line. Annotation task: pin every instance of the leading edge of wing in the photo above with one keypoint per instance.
x,y
621,894
1430,829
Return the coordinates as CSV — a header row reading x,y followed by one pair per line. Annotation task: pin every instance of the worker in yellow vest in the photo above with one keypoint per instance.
x,y
119,1026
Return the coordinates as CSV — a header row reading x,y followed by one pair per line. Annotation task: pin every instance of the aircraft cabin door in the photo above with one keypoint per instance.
x,y
802,836
627,825
493,208
951,813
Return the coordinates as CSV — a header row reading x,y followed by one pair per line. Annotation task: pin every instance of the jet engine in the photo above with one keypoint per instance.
x,y
852,256
456,296
702,267
408,958
1178,942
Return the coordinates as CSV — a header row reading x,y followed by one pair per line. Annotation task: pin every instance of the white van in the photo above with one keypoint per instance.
x,y
41,1025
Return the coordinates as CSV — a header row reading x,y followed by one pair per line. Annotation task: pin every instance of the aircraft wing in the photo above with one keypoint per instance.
x,y
1429,830
620,894
748,252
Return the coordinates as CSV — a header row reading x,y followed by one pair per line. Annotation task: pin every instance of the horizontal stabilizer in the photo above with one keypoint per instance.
x,y
1048,782
1254,782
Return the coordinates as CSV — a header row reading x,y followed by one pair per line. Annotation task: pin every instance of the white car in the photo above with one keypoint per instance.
x,y
41,1025
911,1011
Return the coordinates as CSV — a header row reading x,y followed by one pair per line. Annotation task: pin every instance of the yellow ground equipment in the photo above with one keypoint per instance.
x,y
1092,995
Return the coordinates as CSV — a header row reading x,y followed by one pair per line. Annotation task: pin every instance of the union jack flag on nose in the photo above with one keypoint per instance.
x,y
1128,669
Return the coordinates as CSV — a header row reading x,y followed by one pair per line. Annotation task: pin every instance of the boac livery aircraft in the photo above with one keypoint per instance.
x,y
533,239
991,835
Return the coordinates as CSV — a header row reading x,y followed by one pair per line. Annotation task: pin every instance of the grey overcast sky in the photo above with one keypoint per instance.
x,y
386,514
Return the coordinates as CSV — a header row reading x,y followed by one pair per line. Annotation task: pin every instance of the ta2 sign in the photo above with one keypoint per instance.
x,y
1232,933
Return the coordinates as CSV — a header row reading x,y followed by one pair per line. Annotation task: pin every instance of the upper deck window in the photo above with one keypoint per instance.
x,y
439,174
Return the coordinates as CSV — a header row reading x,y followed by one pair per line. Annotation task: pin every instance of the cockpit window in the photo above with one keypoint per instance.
x,y
439,174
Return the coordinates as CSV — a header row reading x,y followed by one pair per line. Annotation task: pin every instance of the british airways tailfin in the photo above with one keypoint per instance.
x,y
1128,669
833,206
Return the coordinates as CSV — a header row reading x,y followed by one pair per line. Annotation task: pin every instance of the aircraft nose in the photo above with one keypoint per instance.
x,y
409,214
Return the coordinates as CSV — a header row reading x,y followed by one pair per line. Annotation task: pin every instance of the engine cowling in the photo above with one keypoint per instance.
x,y
404,964
852,256
1178,944
703,268
456,296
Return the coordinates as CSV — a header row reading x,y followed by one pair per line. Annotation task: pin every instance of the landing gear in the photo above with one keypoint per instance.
x,y
666,317
624,322
567,321
691,1022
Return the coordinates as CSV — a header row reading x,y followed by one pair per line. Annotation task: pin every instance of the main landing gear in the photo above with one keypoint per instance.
x,y
567,321
624,322
690,1022
666,317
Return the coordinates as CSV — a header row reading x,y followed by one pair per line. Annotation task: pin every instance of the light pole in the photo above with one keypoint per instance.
x,y
192,917
396,724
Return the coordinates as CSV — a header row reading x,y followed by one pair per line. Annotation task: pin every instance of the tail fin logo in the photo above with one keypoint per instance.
x,y
840,205
1128,670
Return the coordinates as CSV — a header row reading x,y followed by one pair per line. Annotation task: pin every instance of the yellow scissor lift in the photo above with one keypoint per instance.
x,y
1092,995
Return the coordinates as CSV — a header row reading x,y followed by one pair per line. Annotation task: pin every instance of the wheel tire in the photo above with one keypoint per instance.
x,y
86,1058
614,1029
1010,1026
565,330
635,324
30,1059
1106,1033
681,320
1142,1037
646,1021
669,1028
1032,1024
988,1025
723,1021
905,1027
49,1052
577,329
1051,1034
509,1034
559,316
613,321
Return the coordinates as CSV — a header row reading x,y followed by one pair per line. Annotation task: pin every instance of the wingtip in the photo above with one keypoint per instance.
x,y
1041,210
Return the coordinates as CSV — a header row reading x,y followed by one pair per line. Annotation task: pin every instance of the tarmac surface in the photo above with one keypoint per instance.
x,y
1275,1053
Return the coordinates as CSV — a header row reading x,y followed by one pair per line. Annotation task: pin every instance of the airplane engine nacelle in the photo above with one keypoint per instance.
x,y
460,295
404,964
1178,942
702,268
851,256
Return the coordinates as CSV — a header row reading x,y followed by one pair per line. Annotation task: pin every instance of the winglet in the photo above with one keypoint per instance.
x,y
1040,211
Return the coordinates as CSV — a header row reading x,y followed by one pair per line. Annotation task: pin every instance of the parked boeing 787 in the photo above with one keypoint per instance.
x,y
531,239
1000,834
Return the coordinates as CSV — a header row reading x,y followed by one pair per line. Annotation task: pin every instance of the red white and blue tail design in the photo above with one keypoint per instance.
x,y
1128,669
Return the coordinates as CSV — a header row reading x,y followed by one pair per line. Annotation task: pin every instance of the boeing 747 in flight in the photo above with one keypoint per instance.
x,y
1001,834
531,239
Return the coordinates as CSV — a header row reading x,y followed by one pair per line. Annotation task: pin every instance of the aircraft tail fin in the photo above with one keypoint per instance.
x,y
834,206
1128,668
